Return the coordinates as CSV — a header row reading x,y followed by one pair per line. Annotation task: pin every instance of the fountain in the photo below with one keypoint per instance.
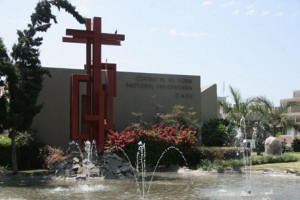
x,y
242,144
185,184
87,164
188,185
140,169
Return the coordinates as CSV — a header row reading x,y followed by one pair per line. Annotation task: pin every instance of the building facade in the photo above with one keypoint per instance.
x,y
142,93
293,114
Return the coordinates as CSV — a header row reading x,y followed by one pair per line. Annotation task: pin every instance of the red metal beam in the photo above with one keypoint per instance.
x,y
83,41
75,133
88,34
97,104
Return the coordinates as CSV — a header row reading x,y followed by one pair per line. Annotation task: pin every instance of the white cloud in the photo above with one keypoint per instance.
x,y
235,12
174,32
279,14
295,14
207,3
250,10
265,13
231,4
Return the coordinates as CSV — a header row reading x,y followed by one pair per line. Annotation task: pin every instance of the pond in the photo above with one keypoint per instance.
x,y
165,185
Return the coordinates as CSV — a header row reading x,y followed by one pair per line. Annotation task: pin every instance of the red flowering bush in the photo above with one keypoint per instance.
x,y
52,156
157,139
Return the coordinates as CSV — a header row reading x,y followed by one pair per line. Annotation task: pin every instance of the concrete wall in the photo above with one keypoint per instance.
x,y
209,102
136,92
53,122
151,93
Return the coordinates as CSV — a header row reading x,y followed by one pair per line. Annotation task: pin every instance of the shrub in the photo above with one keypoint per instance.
x,y
206,164
181,116
27,151
221,153
5,150
52,156
278,134
296,145
218,132
3,169
232,163
236,164
273,159
157,140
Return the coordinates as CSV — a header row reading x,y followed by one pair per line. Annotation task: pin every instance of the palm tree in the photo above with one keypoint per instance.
x,y
239,108
276,118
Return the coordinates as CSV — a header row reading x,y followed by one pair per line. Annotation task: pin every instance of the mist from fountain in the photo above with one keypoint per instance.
x,y
242,148
141,167
90,149
189,185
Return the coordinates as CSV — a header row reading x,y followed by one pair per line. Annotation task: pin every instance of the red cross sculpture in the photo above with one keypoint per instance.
x,y
91,113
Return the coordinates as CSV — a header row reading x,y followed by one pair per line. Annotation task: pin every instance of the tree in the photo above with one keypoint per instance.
x,y
274,118
234,112
258,109
23,73
218,132
181,117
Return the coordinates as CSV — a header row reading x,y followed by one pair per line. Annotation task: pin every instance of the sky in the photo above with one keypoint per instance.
x,y
251,45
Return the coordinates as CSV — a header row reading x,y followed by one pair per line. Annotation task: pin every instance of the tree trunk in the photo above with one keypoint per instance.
x,y
13,152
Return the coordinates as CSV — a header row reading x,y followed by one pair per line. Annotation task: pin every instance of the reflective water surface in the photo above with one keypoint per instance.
x,y
192,185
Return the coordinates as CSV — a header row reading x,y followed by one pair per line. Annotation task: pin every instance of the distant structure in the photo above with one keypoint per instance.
x,y
294,111
209,102
294,114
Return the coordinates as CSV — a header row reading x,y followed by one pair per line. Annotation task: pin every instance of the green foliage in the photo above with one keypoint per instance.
x,y
259,145
181,116
5,141
218,132
255,109
3,169
193,157
237,163
27,148
223,164
5,150
296,145
239,108
257,160
206,165
220,153
295,154
278,134
234,164
23,73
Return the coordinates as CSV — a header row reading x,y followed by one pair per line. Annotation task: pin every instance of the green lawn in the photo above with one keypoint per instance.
x,y
279,166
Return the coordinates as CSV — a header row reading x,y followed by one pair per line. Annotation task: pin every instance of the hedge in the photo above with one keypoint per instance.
x,y
221,153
